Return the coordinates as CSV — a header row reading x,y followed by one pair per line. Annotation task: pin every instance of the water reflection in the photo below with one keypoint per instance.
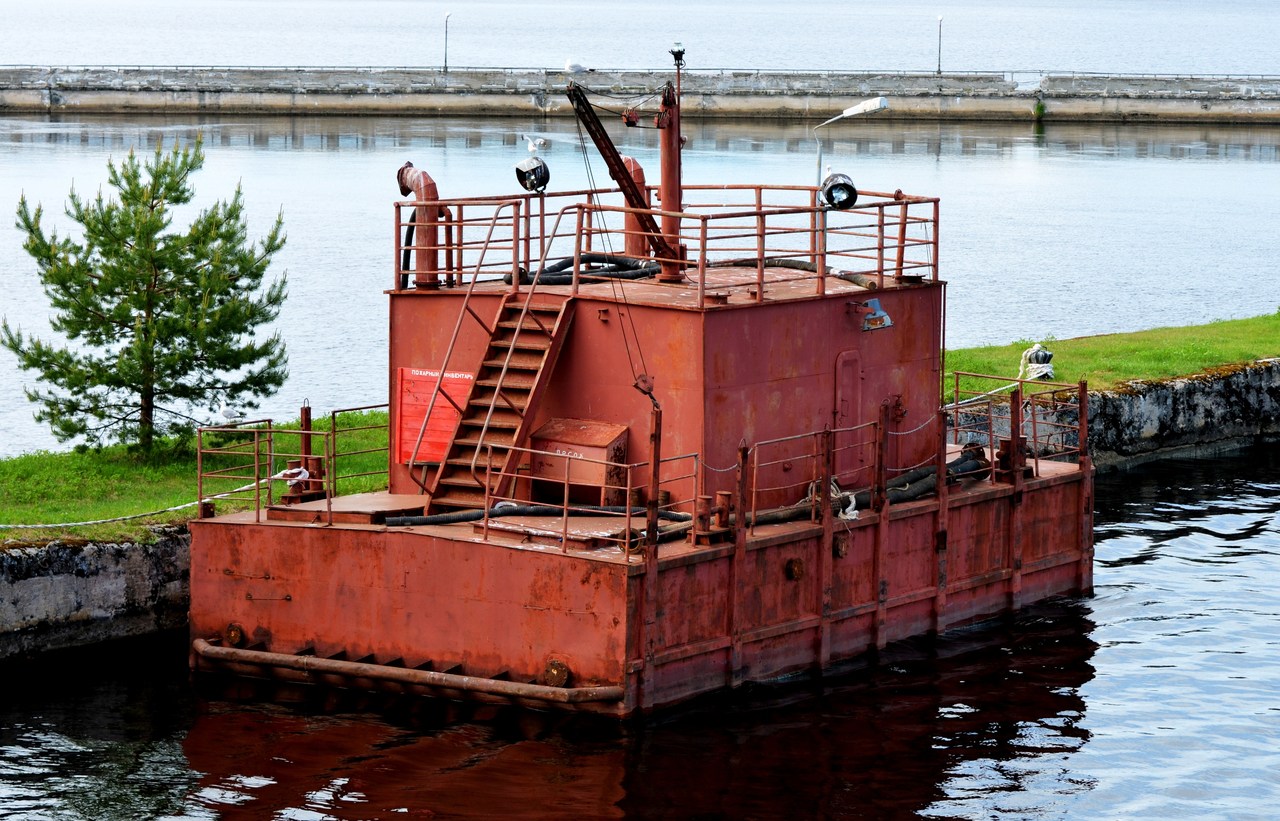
x,y
933,722
889,137
1063,231
1153,699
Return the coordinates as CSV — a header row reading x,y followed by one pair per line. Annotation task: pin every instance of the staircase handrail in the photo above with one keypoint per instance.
x,y
524,313
515,205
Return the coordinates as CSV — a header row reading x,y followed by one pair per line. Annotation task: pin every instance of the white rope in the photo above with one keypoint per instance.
x,y
916,429
135,515
911,467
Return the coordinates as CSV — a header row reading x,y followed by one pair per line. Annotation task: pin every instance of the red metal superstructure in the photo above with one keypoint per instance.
x,y
617,482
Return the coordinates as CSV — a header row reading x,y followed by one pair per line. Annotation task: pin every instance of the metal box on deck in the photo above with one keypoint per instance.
x,y
591,452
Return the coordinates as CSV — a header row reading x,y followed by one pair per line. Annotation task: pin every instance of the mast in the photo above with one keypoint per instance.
x,y
670,189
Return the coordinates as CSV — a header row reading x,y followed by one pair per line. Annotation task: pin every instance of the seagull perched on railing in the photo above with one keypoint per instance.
x,y
229,414
573,67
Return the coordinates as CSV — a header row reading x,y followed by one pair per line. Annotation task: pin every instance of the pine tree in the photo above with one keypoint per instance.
x,y
157,322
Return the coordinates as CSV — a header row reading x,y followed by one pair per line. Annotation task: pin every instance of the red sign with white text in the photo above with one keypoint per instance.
x,y
416,386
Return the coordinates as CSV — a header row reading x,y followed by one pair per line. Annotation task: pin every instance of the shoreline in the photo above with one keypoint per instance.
x,y
708,94
72,593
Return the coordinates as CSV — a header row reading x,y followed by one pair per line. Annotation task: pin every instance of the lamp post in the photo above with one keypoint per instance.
x,y
939,43
447,14
842,194
865,107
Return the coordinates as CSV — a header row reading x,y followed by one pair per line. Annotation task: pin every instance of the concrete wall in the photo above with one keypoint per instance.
x,y
67,595
1199,415
428,92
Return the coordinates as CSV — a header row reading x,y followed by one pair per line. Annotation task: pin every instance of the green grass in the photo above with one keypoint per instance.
x,y
92,484
1110,360
99,484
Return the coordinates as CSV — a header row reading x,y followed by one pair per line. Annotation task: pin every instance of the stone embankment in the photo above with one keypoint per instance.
x,y
707,93
67,595
63,594
1202,415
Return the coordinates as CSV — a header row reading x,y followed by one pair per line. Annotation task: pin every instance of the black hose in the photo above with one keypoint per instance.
x,y
796,265
404,260
615,267
526,510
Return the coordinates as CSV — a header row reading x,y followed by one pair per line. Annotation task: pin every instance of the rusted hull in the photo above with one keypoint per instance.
x,y
421,611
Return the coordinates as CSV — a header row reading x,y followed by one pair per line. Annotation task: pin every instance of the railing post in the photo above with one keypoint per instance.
x,y
902,239
702,257
936,223
821,260
516,237
330,448
577,251
564,511
1082,437
760,245
879,483
398,272
461,243
940,529
880,247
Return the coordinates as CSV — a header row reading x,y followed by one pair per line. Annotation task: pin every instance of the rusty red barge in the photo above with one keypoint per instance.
x,y
646,443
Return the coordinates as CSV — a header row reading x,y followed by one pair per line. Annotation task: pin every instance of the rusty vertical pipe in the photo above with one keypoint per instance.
x,y
304,424
649,607
724,506
655,480
671,190
1085,496
637,245
426,269
880,481
1082,436
940,528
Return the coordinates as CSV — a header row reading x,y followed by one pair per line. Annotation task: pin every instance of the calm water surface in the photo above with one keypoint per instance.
x,y
1129,36
1155,699
1053,233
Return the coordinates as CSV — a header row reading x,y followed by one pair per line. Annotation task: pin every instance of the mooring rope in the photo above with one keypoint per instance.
x,y
249,486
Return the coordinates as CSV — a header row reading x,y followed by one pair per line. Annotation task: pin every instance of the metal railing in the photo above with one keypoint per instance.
x,y
813,459
238,463
339,457
886,236
1051,418
618,495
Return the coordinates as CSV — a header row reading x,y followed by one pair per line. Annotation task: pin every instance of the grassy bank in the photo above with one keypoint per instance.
x,y
90,485
1109,360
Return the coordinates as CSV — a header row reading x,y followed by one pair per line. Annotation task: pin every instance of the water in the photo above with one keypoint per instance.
x,y
1118,36
1061,232
1153,699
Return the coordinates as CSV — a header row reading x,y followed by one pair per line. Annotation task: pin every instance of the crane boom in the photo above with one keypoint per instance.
x,y
618,171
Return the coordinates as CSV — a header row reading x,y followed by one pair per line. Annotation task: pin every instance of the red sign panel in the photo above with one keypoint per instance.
x,y
416,387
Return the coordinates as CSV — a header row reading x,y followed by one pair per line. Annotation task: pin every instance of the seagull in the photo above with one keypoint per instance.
x,y
574,68
228,413
535,143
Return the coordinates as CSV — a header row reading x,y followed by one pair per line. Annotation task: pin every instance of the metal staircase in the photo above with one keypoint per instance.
x,y
523,347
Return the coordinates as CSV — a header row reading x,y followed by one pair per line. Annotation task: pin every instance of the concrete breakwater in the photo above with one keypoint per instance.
x,y
64,595
707,93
